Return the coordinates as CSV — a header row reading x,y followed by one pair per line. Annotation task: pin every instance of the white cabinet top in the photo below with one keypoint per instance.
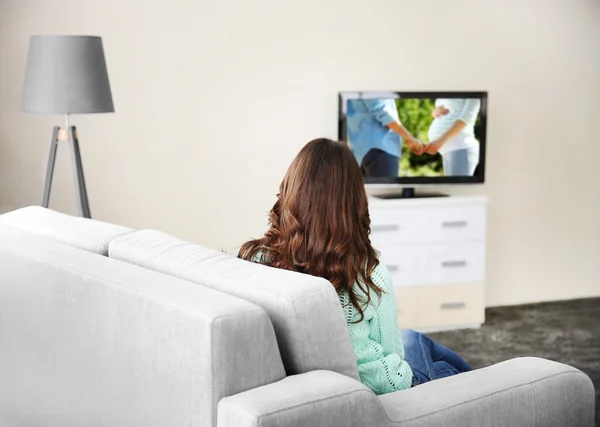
x,y
418,202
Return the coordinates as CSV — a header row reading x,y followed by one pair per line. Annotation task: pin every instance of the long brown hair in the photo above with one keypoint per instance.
x,y
320,223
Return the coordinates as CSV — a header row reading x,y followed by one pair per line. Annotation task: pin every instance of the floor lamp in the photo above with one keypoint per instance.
x,y
66,75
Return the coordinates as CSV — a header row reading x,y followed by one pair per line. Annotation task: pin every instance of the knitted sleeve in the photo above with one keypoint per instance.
x,y
376,339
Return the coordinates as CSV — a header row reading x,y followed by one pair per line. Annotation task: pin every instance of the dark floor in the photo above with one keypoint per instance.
x,y
565,331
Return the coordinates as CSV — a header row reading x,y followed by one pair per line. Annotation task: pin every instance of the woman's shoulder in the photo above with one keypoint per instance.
x,y
382,278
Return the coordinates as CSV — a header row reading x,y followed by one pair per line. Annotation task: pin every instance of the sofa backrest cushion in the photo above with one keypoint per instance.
x,y
89,340
305,310
83,233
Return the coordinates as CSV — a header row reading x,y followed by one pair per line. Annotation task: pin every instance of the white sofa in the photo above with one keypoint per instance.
x,y
102,325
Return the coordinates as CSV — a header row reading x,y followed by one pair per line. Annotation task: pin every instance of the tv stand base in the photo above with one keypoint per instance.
x,y
408,193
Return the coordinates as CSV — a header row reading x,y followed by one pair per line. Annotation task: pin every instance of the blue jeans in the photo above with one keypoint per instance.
x,y
378,163
430,360
461,162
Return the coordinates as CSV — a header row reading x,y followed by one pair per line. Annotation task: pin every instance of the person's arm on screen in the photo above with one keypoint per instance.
x,y
470,110
384,115
414,144
434,146
468,113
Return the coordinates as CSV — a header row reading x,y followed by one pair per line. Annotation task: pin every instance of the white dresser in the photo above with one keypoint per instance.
x,y
435,251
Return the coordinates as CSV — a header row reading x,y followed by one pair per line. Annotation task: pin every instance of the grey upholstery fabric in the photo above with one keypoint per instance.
x,y
305,310
86,340
317,398
574,391
88,234
90,340
516,393
523,392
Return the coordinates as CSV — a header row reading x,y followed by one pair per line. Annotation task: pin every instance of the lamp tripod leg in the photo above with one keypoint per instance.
x,y
50,168
80,189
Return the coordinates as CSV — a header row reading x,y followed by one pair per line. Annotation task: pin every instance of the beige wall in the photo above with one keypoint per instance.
x,y
214,98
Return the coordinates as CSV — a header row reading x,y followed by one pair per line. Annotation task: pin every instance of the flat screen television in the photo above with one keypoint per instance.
x,y
415,138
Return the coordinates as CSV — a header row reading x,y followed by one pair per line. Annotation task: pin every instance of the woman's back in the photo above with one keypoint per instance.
x,y
376,338
320,225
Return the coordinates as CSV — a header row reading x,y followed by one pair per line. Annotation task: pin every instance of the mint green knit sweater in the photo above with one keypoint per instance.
x,y
376,339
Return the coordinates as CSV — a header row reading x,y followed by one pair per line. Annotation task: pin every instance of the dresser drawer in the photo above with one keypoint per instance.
x,y
462,262
427,225
451,305
395,226
435,307
404,264
452,224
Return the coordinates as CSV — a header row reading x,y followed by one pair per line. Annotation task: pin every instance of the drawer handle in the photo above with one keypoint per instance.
x,y
392,268
454,224
385,227
452,305
454,264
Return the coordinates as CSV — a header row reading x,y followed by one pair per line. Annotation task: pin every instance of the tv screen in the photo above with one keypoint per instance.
x,y
416,137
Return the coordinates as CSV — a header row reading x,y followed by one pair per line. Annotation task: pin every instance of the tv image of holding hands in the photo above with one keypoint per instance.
x,y
414,136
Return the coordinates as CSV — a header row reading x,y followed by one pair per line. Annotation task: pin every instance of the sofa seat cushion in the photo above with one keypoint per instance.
x,y
83,233
305,310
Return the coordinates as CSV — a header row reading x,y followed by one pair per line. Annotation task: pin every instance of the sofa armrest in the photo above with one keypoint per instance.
x,y
524,392
316,398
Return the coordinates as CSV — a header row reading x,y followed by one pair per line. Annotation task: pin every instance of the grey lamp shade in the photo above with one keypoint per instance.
x,y
66,75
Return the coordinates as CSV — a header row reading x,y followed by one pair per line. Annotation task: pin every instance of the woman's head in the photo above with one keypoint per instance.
x,y
320,222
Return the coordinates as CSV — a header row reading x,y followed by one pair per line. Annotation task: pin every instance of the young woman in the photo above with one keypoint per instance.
x,y
320,225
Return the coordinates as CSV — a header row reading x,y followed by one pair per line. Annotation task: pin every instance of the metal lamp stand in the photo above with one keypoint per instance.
x,y
69,133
